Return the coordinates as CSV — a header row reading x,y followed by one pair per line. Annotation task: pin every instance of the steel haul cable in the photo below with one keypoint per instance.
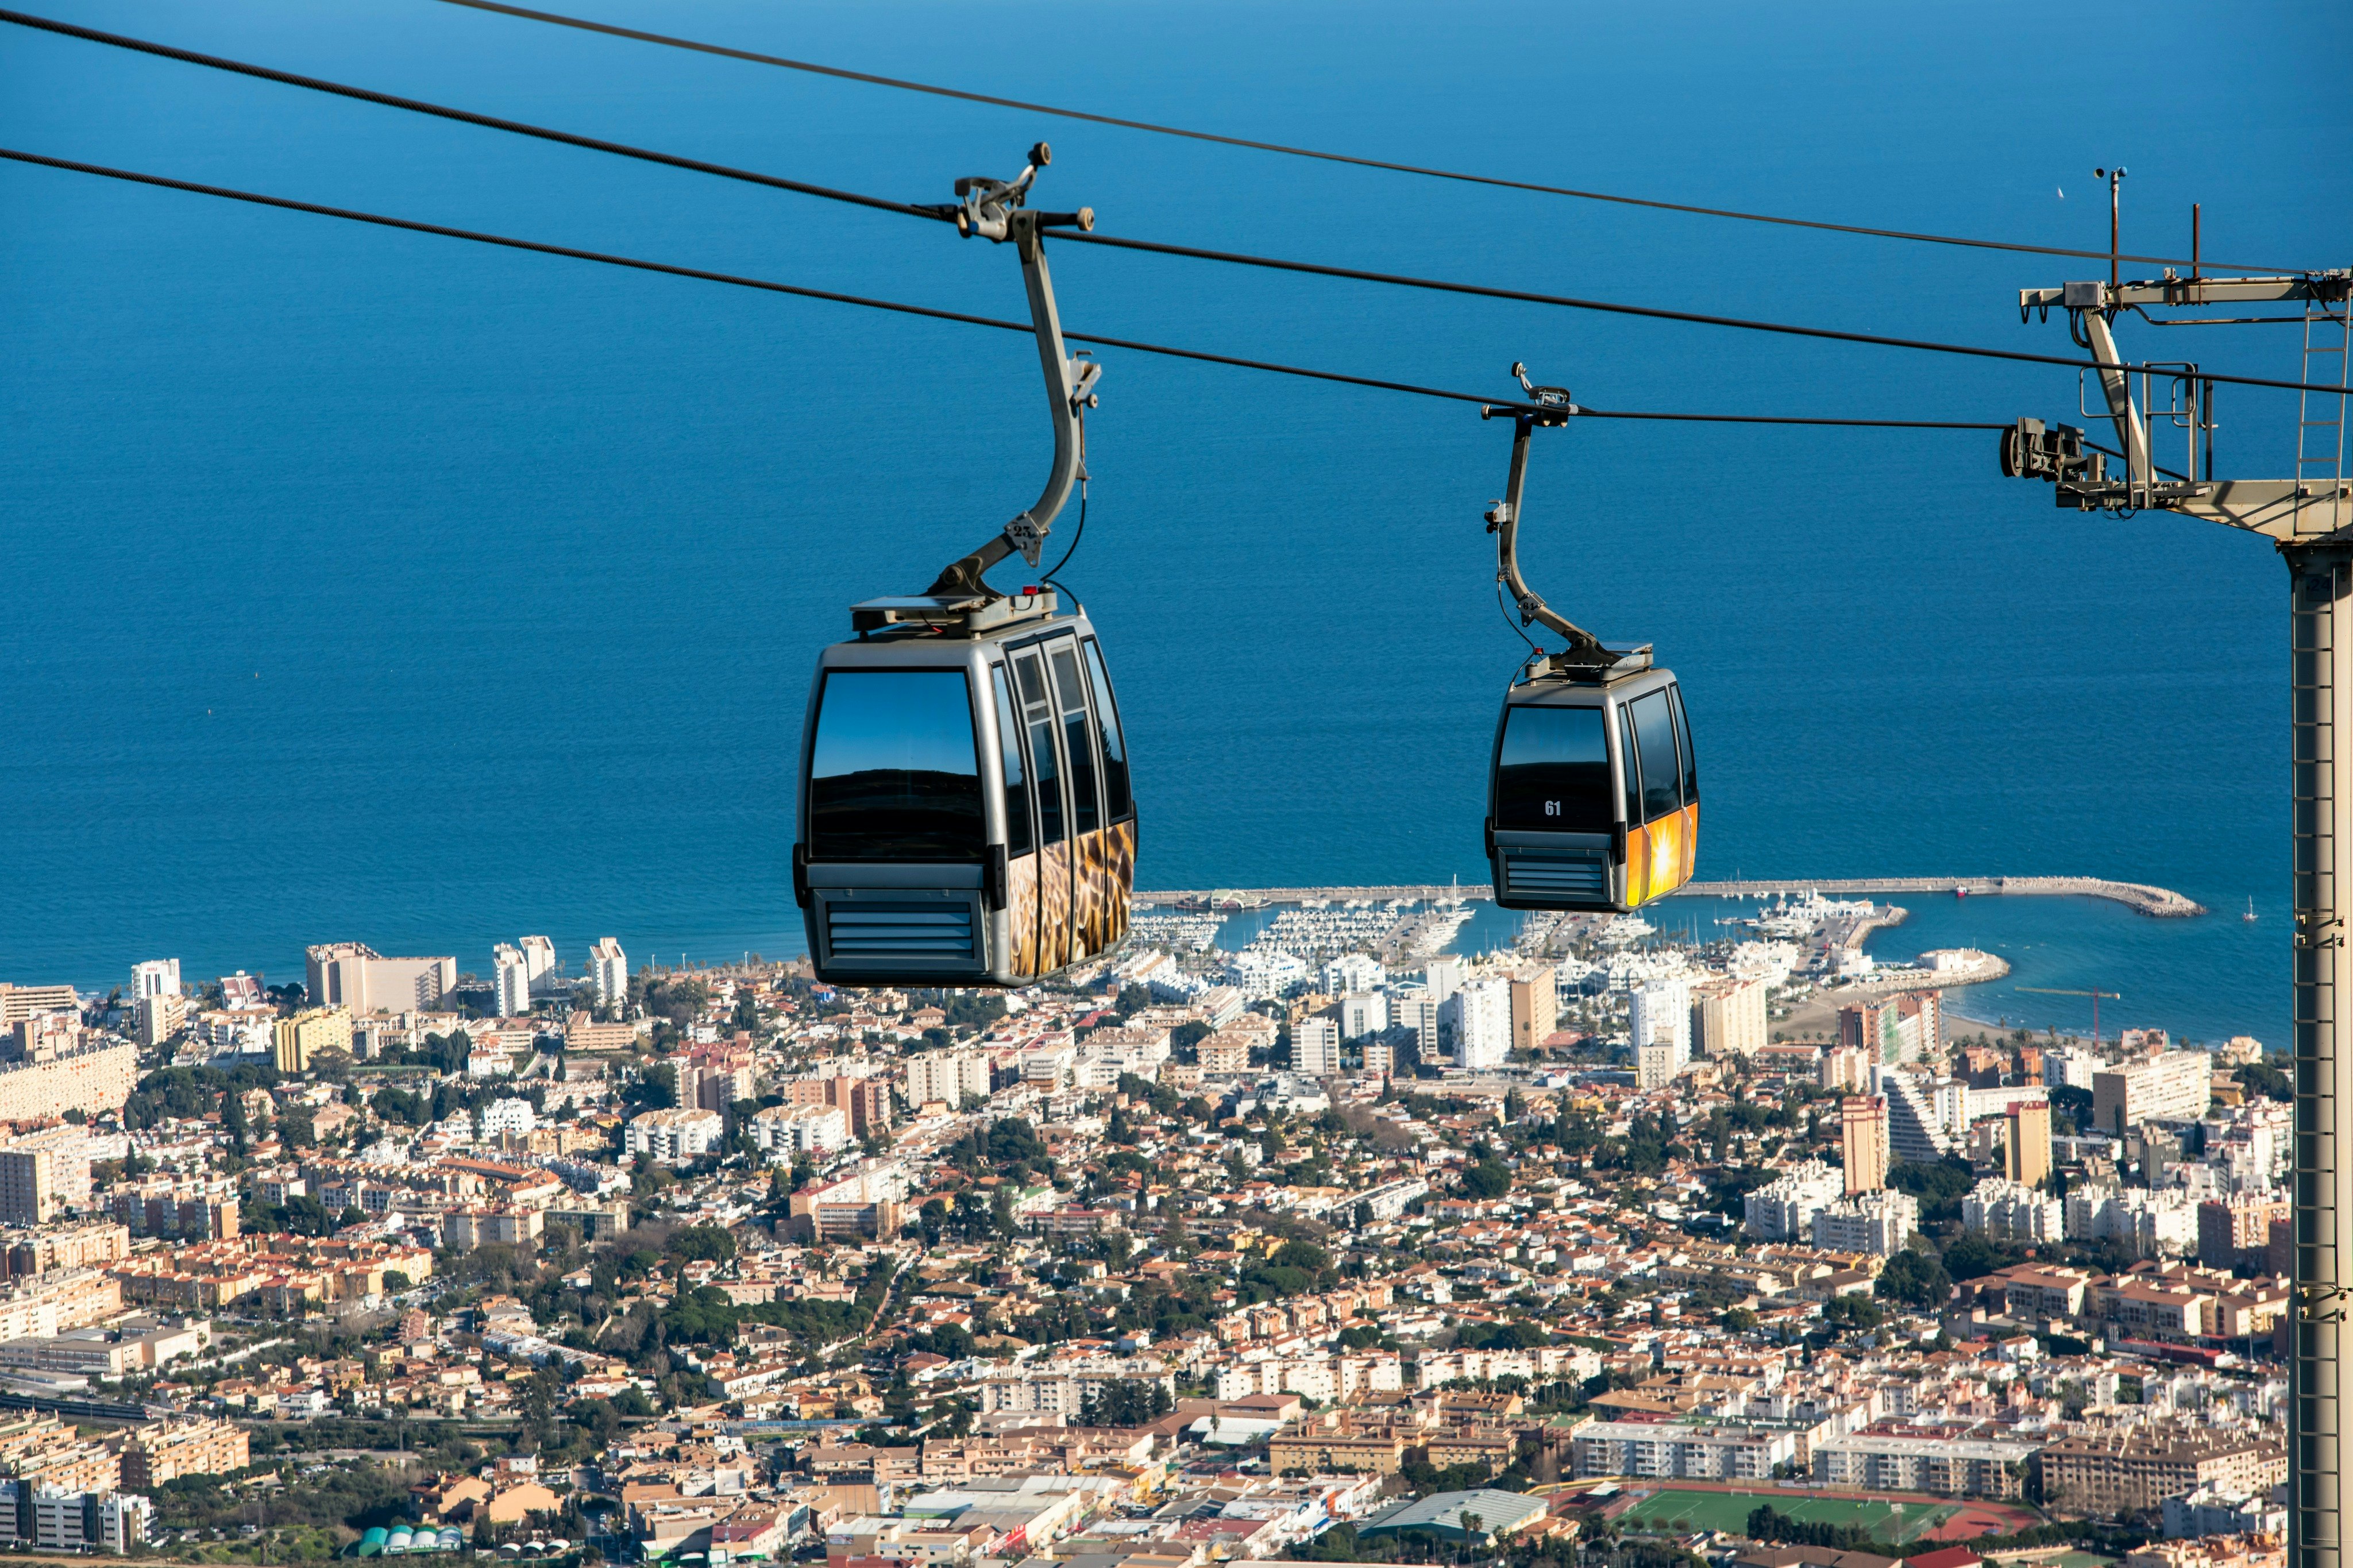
x,y
939,212
1153,128
414,226
463,116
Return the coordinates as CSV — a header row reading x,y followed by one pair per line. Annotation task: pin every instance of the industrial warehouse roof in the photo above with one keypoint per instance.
x,y
1442,1513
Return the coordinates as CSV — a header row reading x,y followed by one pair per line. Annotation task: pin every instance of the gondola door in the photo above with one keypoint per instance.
x,y
1090,900
1047,775
1118,800
1020,889
1662,790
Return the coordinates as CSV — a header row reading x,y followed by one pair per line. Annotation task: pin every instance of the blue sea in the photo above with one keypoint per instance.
x,y
376,586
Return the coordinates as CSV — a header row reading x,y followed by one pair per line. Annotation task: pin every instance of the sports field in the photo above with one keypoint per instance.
x,y
1677,1511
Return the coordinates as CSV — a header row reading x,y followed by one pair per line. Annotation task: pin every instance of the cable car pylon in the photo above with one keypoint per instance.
x,y
2309,519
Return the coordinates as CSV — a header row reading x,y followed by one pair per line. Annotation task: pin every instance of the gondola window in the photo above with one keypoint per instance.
x,y
1118,799
1038,712
1084,810
893,773
1654,738
1553,772
1016,789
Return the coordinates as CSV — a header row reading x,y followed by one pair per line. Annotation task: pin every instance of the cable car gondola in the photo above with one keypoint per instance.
x,y
1593,792
966,815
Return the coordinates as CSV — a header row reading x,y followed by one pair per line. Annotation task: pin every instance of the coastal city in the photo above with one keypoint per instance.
x,y
1293,1229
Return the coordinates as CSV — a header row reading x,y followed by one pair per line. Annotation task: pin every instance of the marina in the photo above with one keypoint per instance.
x,y
2158,902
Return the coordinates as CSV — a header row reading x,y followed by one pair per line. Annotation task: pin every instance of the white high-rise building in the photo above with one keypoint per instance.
x,y
1660,1014
1417,1010
1878,1223
1352,972
1315,1048
1482,1012
1783,1209
1916,1123
609,966
947,1077
513,973
514,1116
2009,1212
1364,1014
1443,977
538,961
156,977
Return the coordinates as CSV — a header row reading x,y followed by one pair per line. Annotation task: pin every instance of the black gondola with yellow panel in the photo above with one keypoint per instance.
x,y
1593,792
967,812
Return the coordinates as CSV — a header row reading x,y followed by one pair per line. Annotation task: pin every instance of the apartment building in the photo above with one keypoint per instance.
x,y
2135,1469
510,979
167,1451
32,1253
1727,1017
1660,1014
1784,1208
864,1102
2176,1085
300,1039
608,968
464,1229
43,1174
1342,1446
676,1134
90,1080
154,977
1879,1223
1862,1141
1948,1463
2026,1150
161,1017
1535,1007
1673,1449
2237,1230
354,976
789,1130
1481,1013
1225,1052
18,1003
1315,1048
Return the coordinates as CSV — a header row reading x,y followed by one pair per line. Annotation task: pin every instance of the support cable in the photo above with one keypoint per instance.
x,y
1159,247
902,84
1652,312
464,116
963,318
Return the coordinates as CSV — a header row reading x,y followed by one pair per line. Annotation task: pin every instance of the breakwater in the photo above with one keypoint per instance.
x,y
2161,903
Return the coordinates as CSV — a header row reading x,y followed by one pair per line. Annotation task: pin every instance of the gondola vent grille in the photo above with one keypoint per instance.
x,y
1556,875
876,931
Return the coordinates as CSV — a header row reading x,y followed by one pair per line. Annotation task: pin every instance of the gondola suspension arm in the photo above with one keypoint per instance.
x,y
995,210
1547,406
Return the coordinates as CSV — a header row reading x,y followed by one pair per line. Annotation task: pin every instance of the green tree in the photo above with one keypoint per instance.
x,y
1916,1279
701,1242
1487,1179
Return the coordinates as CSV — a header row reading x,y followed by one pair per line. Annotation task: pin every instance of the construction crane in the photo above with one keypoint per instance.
x,y
2307,515
2094,996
